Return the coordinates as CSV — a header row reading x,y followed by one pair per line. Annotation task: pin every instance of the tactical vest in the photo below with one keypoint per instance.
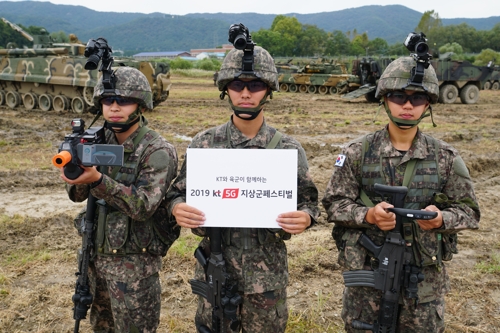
x,y
422,179
247,238
117,233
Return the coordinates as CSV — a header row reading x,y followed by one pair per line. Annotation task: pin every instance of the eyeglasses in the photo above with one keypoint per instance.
x,y
252,86
401,98
121,101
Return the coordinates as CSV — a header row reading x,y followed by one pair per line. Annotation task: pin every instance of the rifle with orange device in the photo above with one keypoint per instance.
x,y
85,148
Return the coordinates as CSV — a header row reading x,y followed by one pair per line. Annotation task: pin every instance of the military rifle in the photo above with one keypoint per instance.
x,y
395,272
217,289
82,299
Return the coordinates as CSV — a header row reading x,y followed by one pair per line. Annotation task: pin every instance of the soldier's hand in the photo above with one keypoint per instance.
x,y
89,175
188,216
379,216
435,223
294,222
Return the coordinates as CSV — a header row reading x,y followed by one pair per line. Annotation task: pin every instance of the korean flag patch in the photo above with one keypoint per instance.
x,y
340,160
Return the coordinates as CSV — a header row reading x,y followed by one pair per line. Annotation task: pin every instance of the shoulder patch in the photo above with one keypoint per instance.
x,y
340,160
460,168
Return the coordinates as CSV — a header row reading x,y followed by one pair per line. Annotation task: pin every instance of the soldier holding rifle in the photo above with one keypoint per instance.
x,y
254,259
427,174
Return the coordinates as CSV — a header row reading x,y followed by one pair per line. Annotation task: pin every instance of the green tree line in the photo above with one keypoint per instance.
x,y
287,37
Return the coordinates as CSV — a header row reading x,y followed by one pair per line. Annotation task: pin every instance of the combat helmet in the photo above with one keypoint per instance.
x,y
264,68
131,83
397,76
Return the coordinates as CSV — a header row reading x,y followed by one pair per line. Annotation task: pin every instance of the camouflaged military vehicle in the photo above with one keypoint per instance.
x,y
52,76
459,79
456,79
365,74
493,82
319,77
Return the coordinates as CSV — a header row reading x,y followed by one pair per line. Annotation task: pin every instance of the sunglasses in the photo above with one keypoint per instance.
x,y
252,86
121,101
401,98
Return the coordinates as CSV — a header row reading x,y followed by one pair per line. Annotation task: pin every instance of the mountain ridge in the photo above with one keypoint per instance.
x,y
157,31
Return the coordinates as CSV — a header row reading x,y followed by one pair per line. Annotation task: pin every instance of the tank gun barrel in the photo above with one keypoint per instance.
x,y
18,29
33,52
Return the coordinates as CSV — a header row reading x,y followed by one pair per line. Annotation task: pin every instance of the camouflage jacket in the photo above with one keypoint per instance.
x,y
157,167
263,267
344,207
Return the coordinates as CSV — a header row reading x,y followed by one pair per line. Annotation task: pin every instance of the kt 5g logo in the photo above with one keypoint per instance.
x,y
230,193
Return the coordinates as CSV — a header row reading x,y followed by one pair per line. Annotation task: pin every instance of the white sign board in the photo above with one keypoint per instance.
x,y
242,188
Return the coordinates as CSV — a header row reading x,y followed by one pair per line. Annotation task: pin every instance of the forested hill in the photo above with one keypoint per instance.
x,y
135,32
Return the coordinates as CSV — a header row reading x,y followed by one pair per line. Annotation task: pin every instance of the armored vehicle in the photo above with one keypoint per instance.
x,y
52,76
320,77
459,79
493,82
456,79
365,72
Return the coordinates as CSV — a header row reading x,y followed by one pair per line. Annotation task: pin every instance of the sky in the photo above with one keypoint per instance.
x,y
445,8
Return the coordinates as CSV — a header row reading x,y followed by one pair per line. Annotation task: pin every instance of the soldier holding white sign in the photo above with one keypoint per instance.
x,y
254,257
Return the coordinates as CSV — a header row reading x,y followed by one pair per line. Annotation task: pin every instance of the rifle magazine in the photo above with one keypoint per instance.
x,y
199,288
359,278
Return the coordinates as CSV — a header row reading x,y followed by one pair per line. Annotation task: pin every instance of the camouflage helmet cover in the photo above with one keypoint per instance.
x,y
264,68
397,74
130,82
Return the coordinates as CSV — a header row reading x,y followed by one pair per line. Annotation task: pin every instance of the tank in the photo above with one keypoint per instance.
x,y
316,77
52,76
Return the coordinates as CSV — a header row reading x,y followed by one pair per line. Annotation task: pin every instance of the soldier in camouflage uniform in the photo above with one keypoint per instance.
x,y
255,258
128,253
440,182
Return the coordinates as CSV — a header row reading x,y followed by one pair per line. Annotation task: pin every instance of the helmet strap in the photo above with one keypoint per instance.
x,y
252,112
121,127
432,116
406,124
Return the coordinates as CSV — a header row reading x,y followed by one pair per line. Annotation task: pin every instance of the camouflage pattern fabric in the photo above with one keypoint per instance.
x,y
397,74
130,83
343,207
101,317
138,272
260,313
362,303
136,306
263,267
264,68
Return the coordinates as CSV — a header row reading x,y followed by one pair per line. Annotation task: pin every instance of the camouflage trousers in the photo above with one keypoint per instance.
x,y
124,307
259,313
362,303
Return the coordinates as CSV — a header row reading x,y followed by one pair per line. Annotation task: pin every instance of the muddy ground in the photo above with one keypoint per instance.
x,y
38,241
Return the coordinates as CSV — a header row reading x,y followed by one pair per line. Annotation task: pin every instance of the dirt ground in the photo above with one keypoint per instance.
x,y
38,241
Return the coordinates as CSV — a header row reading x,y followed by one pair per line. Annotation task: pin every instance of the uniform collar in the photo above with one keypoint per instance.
x,y
238,139
418,149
